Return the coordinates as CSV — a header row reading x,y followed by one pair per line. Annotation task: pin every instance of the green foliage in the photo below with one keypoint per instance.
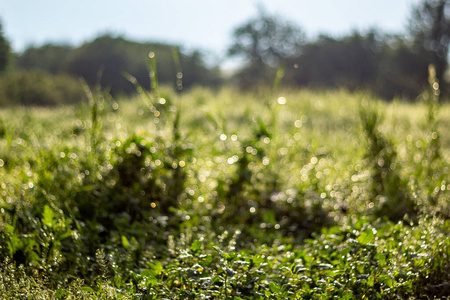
x,y
387,186
5,51
430,28
383,64
213,195
112,55
264,42
402,72
387,65
349,62
51,58
37,88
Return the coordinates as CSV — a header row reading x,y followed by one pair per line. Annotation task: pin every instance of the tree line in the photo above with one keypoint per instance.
x,y
40,75
112,56
388,65
385,64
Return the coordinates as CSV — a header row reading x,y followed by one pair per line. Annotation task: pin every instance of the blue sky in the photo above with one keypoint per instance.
x,y
203,24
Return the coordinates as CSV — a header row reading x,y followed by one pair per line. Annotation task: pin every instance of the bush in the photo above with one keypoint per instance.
x,y
38,88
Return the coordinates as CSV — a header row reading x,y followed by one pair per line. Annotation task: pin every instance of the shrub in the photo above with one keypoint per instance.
x,y
37,88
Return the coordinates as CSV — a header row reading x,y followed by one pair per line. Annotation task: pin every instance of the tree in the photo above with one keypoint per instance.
x,y
5,51
430,28
384,64
116,55
105,55
112,56
49,57
402,72
348,62
264,42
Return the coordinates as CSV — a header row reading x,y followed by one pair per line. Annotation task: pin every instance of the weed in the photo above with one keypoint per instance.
x,y
386,185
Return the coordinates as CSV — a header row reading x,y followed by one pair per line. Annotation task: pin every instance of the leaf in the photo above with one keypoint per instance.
x,y
368,236
345,251
148,273
9,228
65,235
48,217
125,242
371,281
381,259
387,280
347,295
196,246
269,217
274,288
157,268
60,294
87,289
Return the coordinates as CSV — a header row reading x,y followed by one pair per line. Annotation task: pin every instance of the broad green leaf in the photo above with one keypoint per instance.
x,y
371,281
148,273
125,242
381,259
274,288
157,267
387,280
87,289
48,217
196,246
346,251
368,236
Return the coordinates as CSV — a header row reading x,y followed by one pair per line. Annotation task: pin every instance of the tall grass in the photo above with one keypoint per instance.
x,y
288,194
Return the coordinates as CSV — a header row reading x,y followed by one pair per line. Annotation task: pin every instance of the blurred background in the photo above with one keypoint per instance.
x,y
383,47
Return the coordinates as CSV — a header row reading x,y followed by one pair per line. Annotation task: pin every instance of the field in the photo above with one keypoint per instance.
x,y
292,194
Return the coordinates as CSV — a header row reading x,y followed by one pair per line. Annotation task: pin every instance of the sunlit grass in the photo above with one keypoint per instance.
x,y
142,204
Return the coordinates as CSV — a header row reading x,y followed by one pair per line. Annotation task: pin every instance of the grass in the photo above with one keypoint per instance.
x,y
236,196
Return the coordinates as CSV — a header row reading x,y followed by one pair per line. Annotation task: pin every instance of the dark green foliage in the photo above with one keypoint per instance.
x,y
402,72
51,58
264,42
385,65
107,55
432,171
349,62
112,56
430,28
358,260
5,51
386,185
252,194
38,88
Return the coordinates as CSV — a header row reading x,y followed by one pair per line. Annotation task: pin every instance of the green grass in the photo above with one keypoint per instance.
x,y
225,195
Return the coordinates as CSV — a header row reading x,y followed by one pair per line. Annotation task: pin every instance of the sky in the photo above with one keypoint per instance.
x,y
197,24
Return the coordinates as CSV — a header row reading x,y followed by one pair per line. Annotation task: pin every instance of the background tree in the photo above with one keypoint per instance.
x,y
402,72
196,72
347,62
50,57
384,64
114,55
5,51
264,42
106,55
430,29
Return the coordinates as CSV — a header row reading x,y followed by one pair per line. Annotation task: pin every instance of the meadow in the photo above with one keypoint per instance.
x,y
201,194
